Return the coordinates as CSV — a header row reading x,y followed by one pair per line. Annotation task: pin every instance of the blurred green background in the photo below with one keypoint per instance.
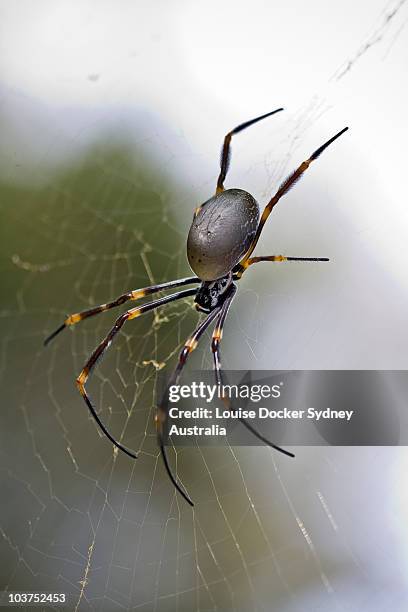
x,y
97,229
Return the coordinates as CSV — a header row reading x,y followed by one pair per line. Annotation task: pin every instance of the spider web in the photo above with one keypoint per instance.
x,y
266,533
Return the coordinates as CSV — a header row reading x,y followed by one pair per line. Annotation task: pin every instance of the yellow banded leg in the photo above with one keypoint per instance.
x,y
137,294
226,149
162,411
217,335
241,267
189,346
285,187
104,345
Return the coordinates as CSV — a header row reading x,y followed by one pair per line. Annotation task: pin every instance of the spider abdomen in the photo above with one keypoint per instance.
x,y
221,233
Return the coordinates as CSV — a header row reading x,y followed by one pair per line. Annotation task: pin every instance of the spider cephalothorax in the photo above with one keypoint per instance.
x,y
224,232
211,294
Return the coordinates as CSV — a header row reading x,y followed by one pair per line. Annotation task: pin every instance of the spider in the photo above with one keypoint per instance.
x,y
224,232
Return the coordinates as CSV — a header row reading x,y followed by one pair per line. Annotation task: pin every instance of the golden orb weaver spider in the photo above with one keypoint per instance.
x,y
219,249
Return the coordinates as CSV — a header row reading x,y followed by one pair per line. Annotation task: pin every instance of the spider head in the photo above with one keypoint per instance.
x,y
212,293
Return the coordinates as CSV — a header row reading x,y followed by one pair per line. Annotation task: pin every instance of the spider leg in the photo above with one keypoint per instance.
x,y
104,345
240,268
162,412
285,187
215,346
226,150
125,297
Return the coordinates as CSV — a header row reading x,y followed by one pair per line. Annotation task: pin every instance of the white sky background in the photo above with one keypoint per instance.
x,y
70,71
